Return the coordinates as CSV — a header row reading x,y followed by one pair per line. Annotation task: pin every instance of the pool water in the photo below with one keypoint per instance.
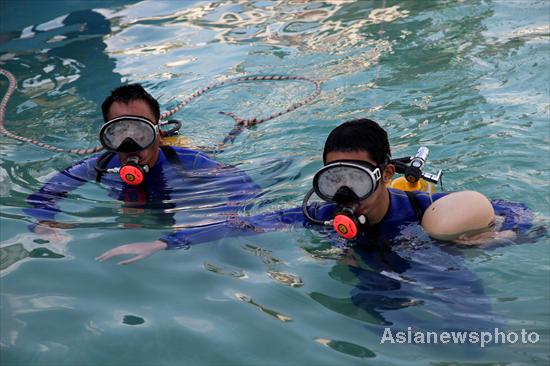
x,y
468,79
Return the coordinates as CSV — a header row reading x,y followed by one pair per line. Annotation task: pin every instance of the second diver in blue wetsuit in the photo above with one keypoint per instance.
x,y
145,176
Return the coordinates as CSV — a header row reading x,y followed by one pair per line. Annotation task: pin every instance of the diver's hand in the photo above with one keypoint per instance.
x,y
142,250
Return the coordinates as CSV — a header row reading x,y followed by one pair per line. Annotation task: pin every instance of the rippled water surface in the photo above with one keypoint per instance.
x,y
469,79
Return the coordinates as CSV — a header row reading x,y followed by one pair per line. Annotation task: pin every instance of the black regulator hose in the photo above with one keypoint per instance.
x,y
174,130
102,161
306,212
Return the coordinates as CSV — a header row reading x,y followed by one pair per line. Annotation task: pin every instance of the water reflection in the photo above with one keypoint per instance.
x,y
418,273
60,64
348,348
273,313
339,29
19,249
225,271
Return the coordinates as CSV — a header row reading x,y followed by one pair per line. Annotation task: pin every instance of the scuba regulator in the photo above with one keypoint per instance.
x,y
131,173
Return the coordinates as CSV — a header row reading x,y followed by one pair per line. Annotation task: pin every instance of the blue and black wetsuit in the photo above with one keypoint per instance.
x,y
180,178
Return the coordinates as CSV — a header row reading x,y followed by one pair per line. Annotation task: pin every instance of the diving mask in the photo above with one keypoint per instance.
x,y
128,134
345,181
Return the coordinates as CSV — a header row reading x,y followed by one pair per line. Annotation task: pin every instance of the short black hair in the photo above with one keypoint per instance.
x,y
127,93
359,135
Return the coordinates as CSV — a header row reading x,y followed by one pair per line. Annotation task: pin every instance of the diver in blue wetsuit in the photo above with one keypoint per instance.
x,y
144,175
359,205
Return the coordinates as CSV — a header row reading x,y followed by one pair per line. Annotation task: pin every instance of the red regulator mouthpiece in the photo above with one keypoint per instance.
x,y
131,174
345,226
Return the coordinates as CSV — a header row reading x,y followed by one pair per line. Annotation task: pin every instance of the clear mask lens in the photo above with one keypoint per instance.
x,y
358,178
128,134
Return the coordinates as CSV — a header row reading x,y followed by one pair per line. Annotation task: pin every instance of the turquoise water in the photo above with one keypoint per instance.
x,y
468,79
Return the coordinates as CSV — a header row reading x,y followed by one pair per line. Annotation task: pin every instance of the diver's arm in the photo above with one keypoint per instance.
x,y
44,202
202,234
251,225
235,226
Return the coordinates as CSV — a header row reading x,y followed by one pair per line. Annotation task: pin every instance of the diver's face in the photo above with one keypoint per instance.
x,y
376,202
138,108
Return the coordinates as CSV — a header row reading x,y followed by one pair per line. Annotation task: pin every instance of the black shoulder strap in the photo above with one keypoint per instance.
x,y
101,164
170,154
415,204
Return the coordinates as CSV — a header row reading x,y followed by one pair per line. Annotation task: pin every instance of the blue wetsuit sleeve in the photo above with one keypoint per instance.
x,y
239,226
238,187
517,216
44,202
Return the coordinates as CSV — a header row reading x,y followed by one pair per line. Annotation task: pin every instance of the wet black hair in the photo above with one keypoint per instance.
x,y
127,93
359,135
